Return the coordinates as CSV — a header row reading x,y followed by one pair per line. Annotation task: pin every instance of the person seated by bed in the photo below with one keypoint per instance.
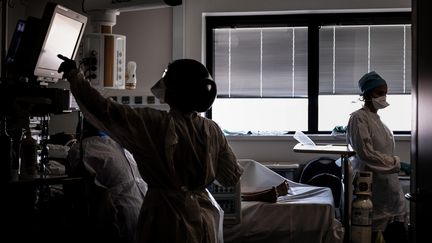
x,y
115,189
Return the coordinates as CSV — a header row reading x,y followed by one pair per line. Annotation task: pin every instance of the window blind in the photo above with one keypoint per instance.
x,y
261,62
348,52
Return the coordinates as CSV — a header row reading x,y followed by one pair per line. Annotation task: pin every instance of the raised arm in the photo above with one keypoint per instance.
x,y
121,122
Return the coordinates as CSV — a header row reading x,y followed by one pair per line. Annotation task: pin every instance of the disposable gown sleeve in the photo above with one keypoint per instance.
x,y
228,169
97,158
74,160
360,139
122,123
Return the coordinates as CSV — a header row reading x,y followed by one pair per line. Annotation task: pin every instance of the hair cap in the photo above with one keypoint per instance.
x,y
370,81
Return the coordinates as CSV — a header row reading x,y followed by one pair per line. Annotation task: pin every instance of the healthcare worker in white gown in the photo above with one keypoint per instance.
x,y
117,189
374,144
179,153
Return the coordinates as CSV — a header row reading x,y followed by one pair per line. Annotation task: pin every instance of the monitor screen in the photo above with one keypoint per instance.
x,y
62,36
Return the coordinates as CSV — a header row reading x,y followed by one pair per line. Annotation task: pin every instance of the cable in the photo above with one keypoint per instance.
x,y
82,7
10,4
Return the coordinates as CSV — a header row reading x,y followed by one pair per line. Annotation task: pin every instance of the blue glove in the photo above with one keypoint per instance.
x,y
66,66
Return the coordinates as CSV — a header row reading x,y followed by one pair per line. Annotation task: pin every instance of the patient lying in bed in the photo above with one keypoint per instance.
x,y
269,195
304,214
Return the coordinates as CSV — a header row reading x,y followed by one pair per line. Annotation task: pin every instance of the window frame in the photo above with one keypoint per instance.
x,y
313,21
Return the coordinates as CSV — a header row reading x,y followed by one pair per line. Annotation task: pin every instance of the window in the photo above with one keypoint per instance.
x,y
252,64
348,52
279,74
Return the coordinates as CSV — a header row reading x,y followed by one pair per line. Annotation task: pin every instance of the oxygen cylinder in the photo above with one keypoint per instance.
x,y
361,209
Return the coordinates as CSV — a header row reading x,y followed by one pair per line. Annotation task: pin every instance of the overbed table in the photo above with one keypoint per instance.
x,y
345,151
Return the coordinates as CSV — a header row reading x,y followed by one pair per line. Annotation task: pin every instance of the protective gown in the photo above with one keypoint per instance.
x,y
116,174
178,156
374,145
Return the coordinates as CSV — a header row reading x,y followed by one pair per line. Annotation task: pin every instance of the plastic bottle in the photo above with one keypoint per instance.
x,y
131,75
28,155
361,209
6,153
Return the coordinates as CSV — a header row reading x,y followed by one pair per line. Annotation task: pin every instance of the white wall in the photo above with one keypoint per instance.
x,y
194,9
148,43
156,36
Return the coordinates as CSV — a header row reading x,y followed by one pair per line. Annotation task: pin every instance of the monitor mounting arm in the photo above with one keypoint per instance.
x,y
103,12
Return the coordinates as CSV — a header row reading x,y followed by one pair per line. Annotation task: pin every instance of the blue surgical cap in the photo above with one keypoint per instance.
x,y
370,80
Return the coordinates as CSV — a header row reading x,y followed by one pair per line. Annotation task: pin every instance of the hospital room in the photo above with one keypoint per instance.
x,y
130,121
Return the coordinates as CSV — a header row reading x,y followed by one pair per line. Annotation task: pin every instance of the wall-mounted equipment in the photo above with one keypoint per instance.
x,y
104,60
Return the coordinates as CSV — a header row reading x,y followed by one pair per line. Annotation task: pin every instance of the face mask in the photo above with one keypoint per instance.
x,y
380,102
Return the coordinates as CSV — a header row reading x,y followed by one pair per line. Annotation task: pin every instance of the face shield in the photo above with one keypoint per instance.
x,y
159,89
187,86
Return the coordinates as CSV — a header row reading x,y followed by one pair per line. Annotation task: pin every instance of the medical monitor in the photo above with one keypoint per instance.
x,y
61,32
32,53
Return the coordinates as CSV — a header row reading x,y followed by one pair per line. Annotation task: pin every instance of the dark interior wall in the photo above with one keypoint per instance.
x,y
421,153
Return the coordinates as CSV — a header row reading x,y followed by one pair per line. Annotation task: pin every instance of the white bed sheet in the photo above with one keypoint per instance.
x,y
306,214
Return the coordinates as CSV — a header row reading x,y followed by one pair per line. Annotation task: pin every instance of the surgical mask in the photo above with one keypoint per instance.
x,y
380,102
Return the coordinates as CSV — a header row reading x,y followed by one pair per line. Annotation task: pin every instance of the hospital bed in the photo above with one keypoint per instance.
x,y
306,214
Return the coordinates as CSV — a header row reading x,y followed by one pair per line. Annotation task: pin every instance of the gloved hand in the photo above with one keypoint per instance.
x,y
66,66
